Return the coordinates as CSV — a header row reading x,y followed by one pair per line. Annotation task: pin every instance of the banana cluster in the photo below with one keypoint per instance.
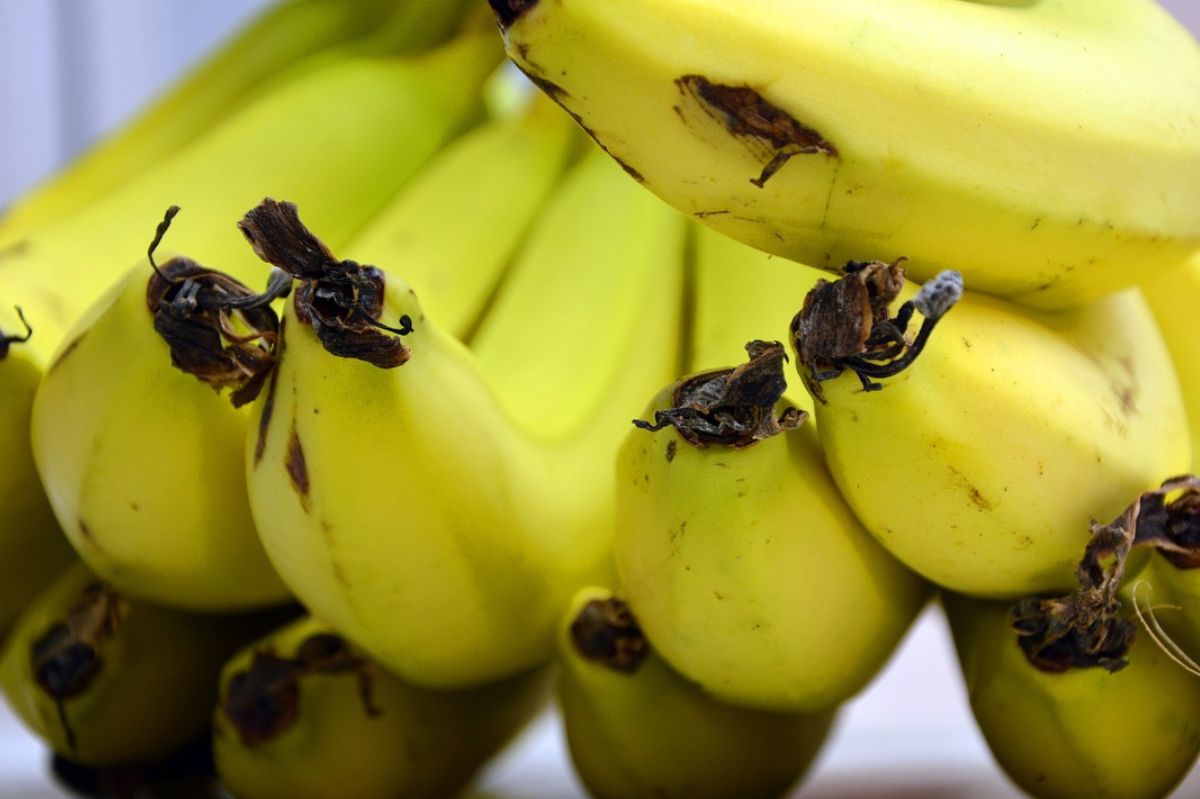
x,y
352,396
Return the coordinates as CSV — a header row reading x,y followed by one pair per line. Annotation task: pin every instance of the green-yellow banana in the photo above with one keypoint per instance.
x,y
741,560
1048,150
405,505
303,714
141,462
104,679
980,462
288,40
637,729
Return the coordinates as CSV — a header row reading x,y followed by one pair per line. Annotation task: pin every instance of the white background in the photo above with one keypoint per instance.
x,y
71,69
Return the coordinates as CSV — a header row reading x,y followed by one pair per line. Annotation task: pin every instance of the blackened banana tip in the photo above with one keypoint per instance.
x,y
509,11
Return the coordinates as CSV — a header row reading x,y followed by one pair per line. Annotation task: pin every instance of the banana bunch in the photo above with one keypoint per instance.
x,y
355,318
1050,151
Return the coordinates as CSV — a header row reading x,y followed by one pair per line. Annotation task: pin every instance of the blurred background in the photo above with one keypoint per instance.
x,y
70,70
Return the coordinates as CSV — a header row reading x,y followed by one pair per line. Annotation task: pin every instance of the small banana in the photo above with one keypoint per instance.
x,y
1049,150
130,414
1070,702
740,558
381,493
286,41
304,715
637,729
980,462
104,679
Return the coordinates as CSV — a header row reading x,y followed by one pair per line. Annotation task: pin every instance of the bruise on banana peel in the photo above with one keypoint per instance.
x,y
1083,629
731,407
846,325
8,339
606,631
263,702
67,658
750,118
194,312
341,300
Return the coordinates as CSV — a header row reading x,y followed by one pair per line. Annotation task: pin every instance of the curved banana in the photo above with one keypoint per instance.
x,y
980,462
132,419
1128,734
637,729
104,679
286,42
740,558
404,505
1049,150
154,448
304,715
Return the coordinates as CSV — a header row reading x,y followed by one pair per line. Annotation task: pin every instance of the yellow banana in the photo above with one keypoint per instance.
x,y
740,558
284,33
1174,298
129,447
637,729
1049,150
383,493
497,177
304,715
104,679
980,462
1129,734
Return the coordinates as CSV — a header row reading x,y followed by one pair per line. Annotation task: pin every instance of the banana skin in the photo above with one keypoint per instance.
x,y
1047,150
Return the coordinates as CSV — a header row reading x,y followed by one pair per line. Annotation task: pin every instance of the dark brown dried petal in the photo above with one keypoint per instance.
x,y
606,631
732,407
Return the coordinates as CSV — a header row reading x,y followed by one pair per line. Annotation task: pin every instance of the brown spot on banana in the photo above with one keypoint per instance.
x,y
297,468
750,118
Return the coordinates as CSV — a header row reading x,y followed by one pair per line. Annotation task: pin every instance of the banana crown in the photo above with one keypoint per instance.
x,y
733,407
605,631
342,300
845,324
218,330
8,339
